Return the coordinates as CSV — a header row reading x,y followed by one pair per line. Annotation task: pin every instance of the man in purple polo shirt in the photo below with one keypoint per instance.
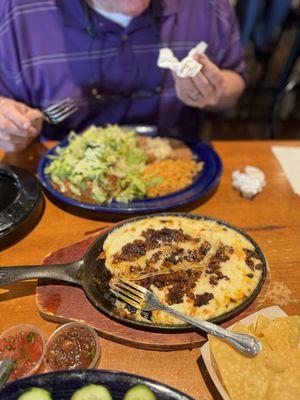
x,y
103,54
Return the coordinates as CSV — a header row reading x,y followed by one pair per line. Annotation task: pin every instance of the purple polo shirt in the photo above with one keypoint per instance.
x,y
53,49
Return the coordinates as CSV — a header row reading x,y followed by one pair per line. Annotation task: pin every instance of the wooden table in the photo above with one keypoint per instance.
x,y
272,219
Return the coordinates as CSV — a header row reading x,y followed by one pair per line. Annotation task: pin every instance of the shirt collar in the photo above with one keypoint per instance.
x,y
76,16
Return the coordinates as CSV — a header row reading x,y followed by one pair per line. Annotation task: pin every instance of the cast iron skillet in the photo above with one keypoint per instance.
x,y
93,277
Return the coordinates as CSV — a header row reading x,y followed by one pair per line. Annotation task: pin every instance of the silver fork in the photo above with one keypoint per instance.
x,y
145,300
58,112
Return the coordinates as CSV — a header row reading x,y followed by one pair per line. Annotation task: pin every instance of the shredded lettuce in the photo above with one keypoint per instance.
x,y
105,163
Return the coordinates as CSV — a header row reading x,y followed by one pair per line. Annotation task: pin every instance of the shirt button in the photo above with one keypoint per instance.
x,y
158,89
125,38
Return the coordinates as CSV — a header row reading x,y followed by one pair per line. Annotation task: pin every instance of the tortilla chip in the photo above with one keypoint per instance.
x,y
285,386
262,322
294,358
240,328
251,328
278,334
277,361
244,378
274,373
294,324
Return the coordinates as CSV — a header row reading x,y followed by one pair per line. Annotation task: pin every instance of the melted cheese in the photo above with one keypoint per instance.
x,y
228,293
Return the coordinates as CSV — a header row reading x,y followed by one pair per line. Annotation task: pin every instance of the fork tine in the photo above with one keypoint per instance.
x,y
59,104
62,115
126,299
60,110
133,285
127,293
121,285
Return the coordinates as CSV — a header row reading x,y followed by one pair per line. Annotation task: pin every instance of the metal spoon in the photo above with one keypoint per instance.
x,y
6,368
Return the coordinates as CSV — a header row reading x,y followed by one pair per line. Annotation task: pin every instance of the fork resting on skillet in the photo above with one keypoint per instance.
x,y
145,300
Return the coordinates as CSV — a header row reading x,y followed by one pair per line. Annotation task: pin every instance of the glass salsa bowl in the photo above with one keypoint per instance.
x,y
72,346
25,345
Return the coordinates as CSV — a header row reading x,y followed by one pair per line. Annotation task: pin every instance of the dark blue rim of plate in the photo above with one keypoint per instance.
x,y
204,184
63,383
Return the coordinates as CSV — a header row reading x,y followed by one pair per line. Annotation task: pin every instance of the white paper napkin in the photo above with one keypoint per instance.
x,y
289,159
250,182
187,67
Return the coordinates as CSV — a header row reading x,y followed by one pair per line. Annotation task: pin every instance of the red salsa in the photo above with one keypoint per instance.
x,y
71,348
24,348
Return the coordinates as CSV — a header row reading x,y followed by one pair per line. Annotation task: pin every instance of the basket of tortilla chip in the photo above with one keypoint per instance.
x,y
272,375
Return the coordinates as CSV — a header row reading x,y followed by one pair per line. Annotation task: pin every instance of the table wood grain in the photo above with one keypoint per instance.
x,y
272,219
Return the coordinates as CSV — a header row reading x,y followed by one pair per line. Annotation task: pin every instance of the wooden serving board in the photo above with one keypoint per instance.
x,y
64,303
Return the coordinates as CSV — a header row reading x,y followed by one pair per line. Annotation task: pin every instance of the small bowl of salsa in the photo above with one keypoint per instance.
x,y
25,345
72,346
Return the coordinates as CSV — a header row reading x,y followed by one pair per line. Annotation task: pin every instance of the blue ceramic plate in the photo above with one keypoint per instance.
x,y
63,384
204,184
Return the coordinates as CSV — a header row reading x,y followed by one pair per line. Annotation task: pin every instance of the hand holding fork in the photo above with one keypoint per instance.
x,y
20,124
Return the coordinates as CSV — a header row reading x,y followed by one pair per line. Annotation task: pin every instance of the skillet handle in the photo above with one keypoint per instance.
x,y
63,272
